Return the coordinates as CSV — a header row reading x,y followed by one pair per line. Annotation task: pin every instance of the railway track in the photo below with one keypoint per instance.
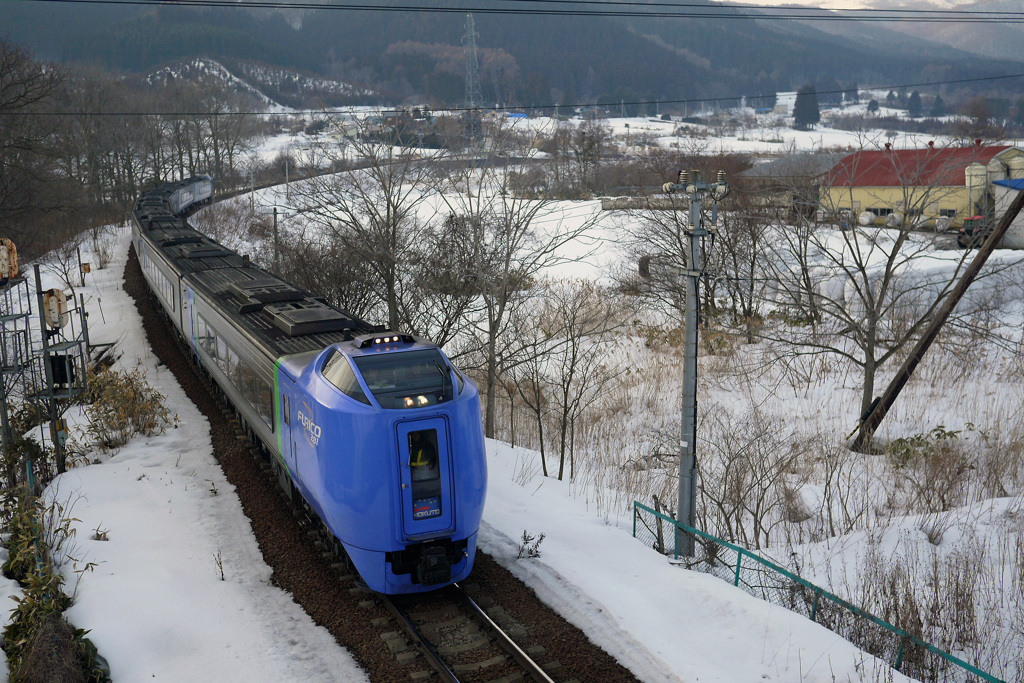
x,y
308,564
461,642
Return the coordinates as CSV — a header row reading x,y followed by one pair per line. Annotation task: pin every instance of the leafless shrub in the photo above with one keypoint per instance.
x,y
935,527
938,480
741,495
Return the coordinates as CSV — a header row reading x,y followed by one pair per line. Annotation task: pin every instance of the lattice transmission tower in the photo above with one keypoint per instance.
x,y
473,96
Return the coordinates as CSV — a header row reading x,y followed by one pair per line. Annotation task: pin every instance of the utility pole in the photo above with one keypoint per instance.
x,y
696,191
879,408
276,246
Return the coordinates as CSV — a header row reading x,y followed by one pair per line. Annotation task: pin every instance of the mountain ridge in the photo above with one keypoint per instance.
x,y
532,60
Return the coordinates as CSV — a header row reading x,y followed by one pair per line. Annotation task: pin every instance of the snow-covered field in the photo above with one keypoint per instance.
x,y
763,134
157,607
870,521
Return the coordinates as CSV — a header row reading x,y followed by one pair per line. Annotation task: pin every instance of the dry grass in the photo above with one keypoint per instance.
x,y
775,471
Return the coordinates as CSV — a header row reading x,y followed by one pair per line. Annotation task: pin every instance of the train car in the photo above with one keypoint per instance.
x,y
376,431
190,193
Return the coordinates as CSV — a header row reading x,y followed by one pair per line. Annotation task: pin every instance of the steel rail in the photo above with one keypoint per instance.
x,y
532,669
428,650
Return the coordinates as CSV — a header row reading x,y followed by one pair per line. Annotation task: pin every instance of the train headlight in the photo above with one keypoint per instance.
x,y
409,403
422,400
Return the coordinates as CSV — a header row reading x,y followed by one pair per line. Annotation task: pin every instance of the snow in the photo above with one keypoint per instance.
x,y
662,622
158,608
155,603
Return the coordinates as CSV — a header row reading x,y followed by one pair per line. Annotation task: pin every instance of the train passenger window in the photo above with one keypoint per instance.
x,y
265,402
337,371
233,372
222,352
204,335
246,382
409,379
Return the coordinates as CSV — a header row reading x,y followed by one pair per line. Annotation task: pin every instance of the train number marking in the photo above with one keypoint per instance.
x,y
310,428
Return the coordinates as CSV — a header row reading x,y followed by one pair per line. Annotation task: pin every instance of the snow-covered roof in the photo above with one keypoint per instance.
x,y
803,165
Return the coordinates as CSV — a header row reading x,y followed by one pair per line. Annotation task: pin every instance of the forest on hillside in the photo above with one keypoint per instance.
x,y
525,60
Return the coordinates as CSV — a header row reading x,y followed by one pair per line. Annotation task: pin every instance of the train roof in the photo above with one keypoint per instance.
x,y
278,316
282,318
188,249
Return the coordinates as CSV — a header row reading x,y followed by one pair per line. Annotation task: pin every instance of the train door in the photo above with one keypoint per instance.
x,y
424,453
187,316
291,430
288,430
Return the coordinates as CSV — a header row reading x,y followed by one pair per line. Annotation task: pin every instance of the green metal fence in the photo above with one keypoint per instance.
x,y
766,580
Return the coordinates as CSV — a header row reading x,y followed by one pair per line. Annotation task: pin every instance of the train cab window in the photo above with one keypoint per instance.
x,y
423,455
409,379
336,370
425,473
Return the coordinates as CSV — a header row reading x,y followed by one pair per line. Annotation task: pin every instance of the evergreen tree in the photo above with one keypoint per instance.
x,y
851,96
914,105
938,107
1018,112
805,109
873,107
890,99
830,93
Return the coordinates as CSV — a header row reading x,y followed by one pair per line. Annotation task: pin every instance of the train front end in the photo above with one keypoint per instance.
x,y
387,446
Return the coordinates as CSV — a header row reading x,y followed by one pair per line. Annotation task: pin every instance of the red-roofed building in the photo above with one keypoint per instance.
x,y
920,185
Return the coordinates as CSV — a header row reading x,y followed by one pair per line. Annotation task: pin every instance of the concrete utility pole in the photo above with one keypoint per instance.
x,y
277,248
690,183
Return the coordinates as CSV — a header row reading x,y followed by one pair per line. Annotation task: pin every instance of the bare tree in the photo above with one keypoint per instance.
x,y
580,314
374,209
515,239
742,486
26,155
321,264
587,146
735,263
861,292
655,237
530,376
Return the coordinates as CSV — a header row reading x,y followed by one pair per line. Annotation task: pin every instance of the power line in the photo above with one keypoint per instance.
x,y
763,12
690,100
742,5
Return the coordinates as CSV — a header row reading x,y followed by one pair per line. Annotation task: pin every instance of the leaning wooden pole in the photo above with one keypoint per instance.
x,y
880,407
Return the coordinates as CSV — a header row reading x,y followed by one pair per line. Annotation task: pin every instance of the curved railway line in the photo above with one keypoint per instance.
x,y
318,579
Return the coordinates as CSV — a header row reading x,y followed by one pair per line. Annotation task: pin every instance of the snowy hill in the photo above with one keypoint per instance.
x,y
275,88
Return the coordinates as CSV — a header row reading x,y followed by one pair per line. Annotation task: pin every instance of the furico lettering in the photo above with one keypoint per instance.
x,y
312,430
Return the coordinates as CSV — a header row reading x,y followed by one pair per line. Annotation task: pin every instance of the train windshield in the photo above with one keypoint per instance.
x,y
410,379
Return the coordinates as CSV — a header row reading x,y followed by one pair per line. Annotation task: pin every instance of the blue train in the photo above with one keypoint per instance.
x,y
376,431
